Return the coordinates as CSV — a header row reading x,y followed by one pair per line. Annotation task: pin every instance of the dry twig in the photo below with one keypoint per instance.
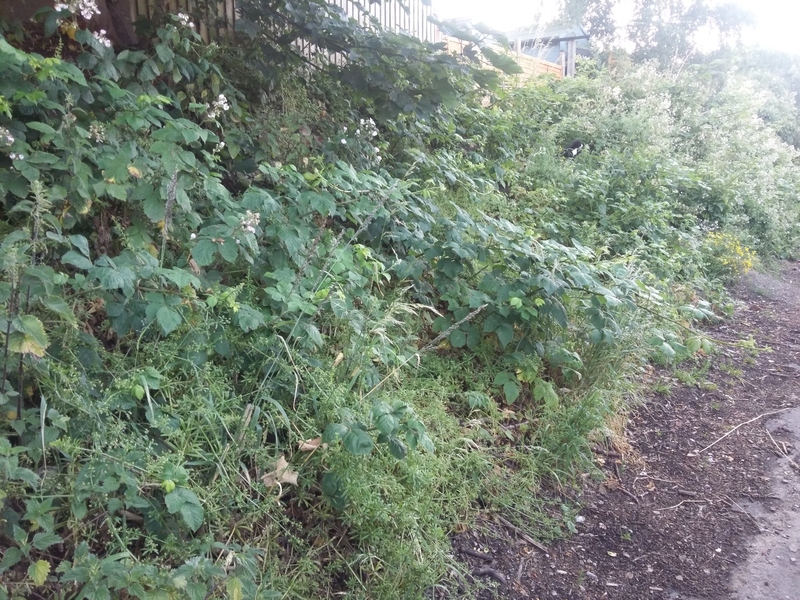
x,y
718,440
782,451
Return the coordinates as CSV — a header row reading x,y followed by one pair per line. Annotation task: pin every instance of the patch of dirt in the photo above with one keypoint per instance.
x,y
705,503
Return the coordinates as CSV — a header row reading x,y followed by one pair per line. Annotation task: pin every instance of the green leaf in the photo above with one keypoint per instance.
x,y
502,377
234,588
333,490
387,423
249,318
333,432
228,249
38,571
33,327
511,391
40,127
458,339
44,540
322,202
192,515
203,252
667,350
358,442
397,448
543,391
76,260
168,319
11,557
505,333
59,306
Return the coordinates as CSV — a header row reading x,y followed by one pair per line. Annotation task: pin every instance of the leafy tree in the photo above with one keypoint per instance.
x,y
395,73
667,30
595,15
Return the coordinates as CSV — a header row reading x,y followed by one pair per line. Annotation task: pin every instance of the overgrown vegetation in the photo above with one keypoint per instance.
x,y
281,343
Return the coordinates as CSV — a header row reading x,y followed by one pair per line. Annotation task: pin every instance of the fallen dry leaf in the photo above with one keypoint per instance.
x,y
281,475
309,445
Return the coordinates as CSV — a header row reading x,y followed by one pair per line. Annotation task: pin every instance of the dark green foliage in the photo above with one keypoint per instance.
x,y
257,347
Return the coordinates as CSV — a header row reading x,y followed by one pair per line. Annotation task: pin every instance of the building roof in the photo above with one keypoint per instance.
x,y
549,35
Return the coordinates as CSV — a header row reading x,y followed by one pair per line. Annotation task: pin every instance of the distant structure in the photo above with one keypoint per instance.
x,y
559,44
117,16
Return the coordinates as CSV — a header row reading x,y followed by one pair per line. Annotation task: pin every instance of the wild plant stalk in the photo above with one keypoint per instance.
x,y
172,194
39,207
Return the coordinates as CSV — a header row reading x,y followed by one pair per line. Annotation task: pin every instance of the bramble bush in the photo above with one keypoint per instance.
x,y
268,344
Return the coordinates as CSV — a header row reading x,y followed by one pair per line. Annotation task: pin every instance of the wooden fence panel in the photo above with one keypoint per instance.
x,y
531,66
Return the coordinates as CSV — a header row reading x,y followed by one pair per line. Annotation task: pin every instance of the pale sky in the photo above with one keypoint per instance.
x,y
777,21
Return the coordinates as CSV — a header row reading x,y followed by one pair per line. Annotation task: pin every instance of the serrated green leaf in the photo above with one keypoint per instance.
x,y
505,333
333,490
386,423
397,448
249,318
334,432
59,306
203,252
81,243
41,127
234,588
228,249
76,260
543,391
168,319
11,557
192,515
38,571
43,540
196,590
32,326
358,442
511,391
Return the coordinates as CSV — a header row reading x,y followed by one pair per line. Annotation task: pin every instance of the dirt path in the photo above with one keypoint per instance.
x,y
685,513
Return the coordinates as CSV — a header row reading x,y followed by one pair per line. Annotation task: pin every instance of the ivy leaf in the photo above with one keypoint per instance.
x,y
358,442
168,319
38,571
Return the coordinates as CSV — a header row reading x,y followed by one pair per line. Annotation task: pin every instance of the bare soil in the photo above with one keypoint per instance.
x,y
685,511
